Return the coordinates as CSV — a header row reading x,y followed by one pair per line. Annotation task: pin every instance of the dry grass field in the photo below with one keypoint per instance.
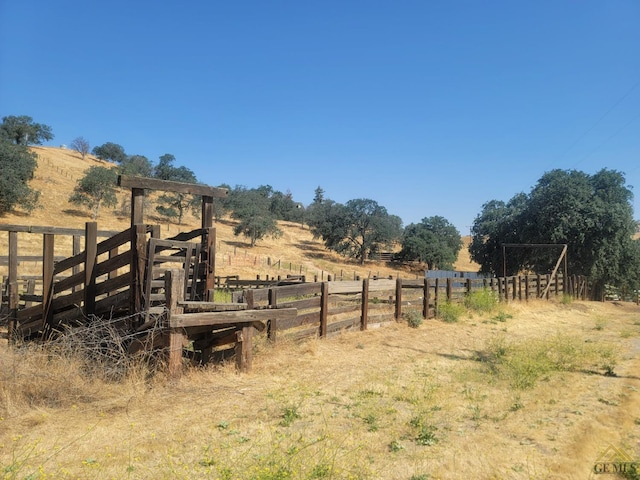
x,y
535,390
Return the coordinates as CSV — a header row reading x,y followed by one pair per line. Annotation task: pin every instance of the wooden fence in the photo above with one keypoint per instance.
x,y
328,307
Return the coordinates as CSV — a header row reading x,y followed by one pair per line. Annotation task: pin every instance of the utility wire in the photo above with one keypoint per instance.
x,y
600,119
608,139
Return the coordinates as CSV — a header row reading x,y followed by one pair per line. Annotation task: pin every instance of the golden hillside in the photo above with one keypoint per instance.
x,y
295,252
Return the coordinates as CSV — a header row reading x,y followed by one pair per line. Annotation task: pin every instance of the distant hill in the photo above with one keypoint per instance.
x,y
60,168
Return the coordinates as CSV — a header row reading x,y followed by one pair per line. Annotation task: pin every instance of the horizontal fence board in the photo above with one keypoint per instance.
x,y
113,284
59,303
344,309
215,318
69,282
114,242
298,290
53,230
301,304
343,324
119,261
119,301
70,262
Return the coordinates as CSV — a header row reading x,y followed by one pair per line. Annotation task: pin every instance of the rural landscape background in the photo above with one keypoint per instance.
x,y
525,390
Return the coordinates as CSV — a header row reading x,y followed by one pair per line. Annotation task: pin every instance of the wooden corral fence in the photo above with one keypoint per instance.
x,y
328,307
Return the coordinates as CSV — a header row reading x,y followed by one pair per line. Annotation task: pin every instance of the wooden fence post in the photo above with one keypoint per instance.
x,y
425,298
526,288
364,316
210,266
174,289
272,325
449,289
436,297
324,308
91,251
138,260
47,281
398,311
505,281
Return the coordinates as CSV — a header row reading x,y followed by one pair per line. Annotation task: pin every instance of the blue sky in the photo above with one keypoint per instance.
x,y
427,107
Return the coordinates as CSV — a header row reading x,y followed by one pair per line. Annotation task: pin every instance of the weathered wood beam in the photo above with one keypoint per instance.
x,y
185,320
126,181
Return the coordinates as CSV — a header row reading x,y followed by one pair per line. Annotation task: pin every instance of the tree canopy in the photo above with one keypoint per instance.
x,y
175,205
251,207
433,241
17,165
22,130
96,188
110,151
357,229
592,214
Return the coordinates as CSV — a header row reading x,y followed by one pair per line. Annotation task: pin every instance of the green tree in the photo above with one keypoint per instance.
x,y
251,209
357,229
136,165
96,188
110,151
433,241
176,205
592,214
22,130
17,165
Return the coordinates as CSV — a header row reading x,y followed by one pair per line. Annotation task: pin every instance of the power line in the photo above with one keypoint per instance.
x,y
608,139
601,118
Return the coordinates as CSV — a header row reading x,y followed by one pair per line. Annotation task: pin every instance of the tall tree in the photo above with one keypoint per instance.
x,y
592,214
433,241
176,205
357,229
17,165
110,151
96,188
251,209
22,130
136,165
81,146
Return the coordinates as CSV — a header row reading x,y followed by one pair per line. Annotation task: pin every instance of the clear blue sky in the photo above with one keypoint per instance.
x,y
427,107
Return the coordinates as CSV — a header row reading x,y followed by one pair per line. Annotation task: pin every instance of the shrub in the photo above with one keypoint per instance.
x,y
481,301
450,312
413,318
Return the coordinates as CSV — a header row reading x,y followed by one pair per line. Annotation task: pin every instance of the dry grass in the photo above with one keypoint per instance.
x,y
395,402
296,251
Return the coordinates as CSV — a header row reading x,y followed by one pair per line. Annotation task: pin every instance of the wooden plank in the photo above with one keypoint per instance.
x,y
216,318
91,246
47,277
175,293
13,257
303,304
112,284
118,261
69,282
342,324
136,270
191,306
324,308
300,320
302,289
126,181
244,351
119,301
210,261
398,310
115,241
52,230
364,305
70,262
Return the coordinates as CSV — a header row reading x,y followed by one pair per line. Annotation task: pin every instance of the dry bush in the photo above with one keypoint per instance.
x,y
82,365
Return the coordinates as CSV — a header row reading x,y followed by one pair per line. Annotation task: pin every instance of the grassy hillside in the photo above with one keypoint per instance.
x,y
296,251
